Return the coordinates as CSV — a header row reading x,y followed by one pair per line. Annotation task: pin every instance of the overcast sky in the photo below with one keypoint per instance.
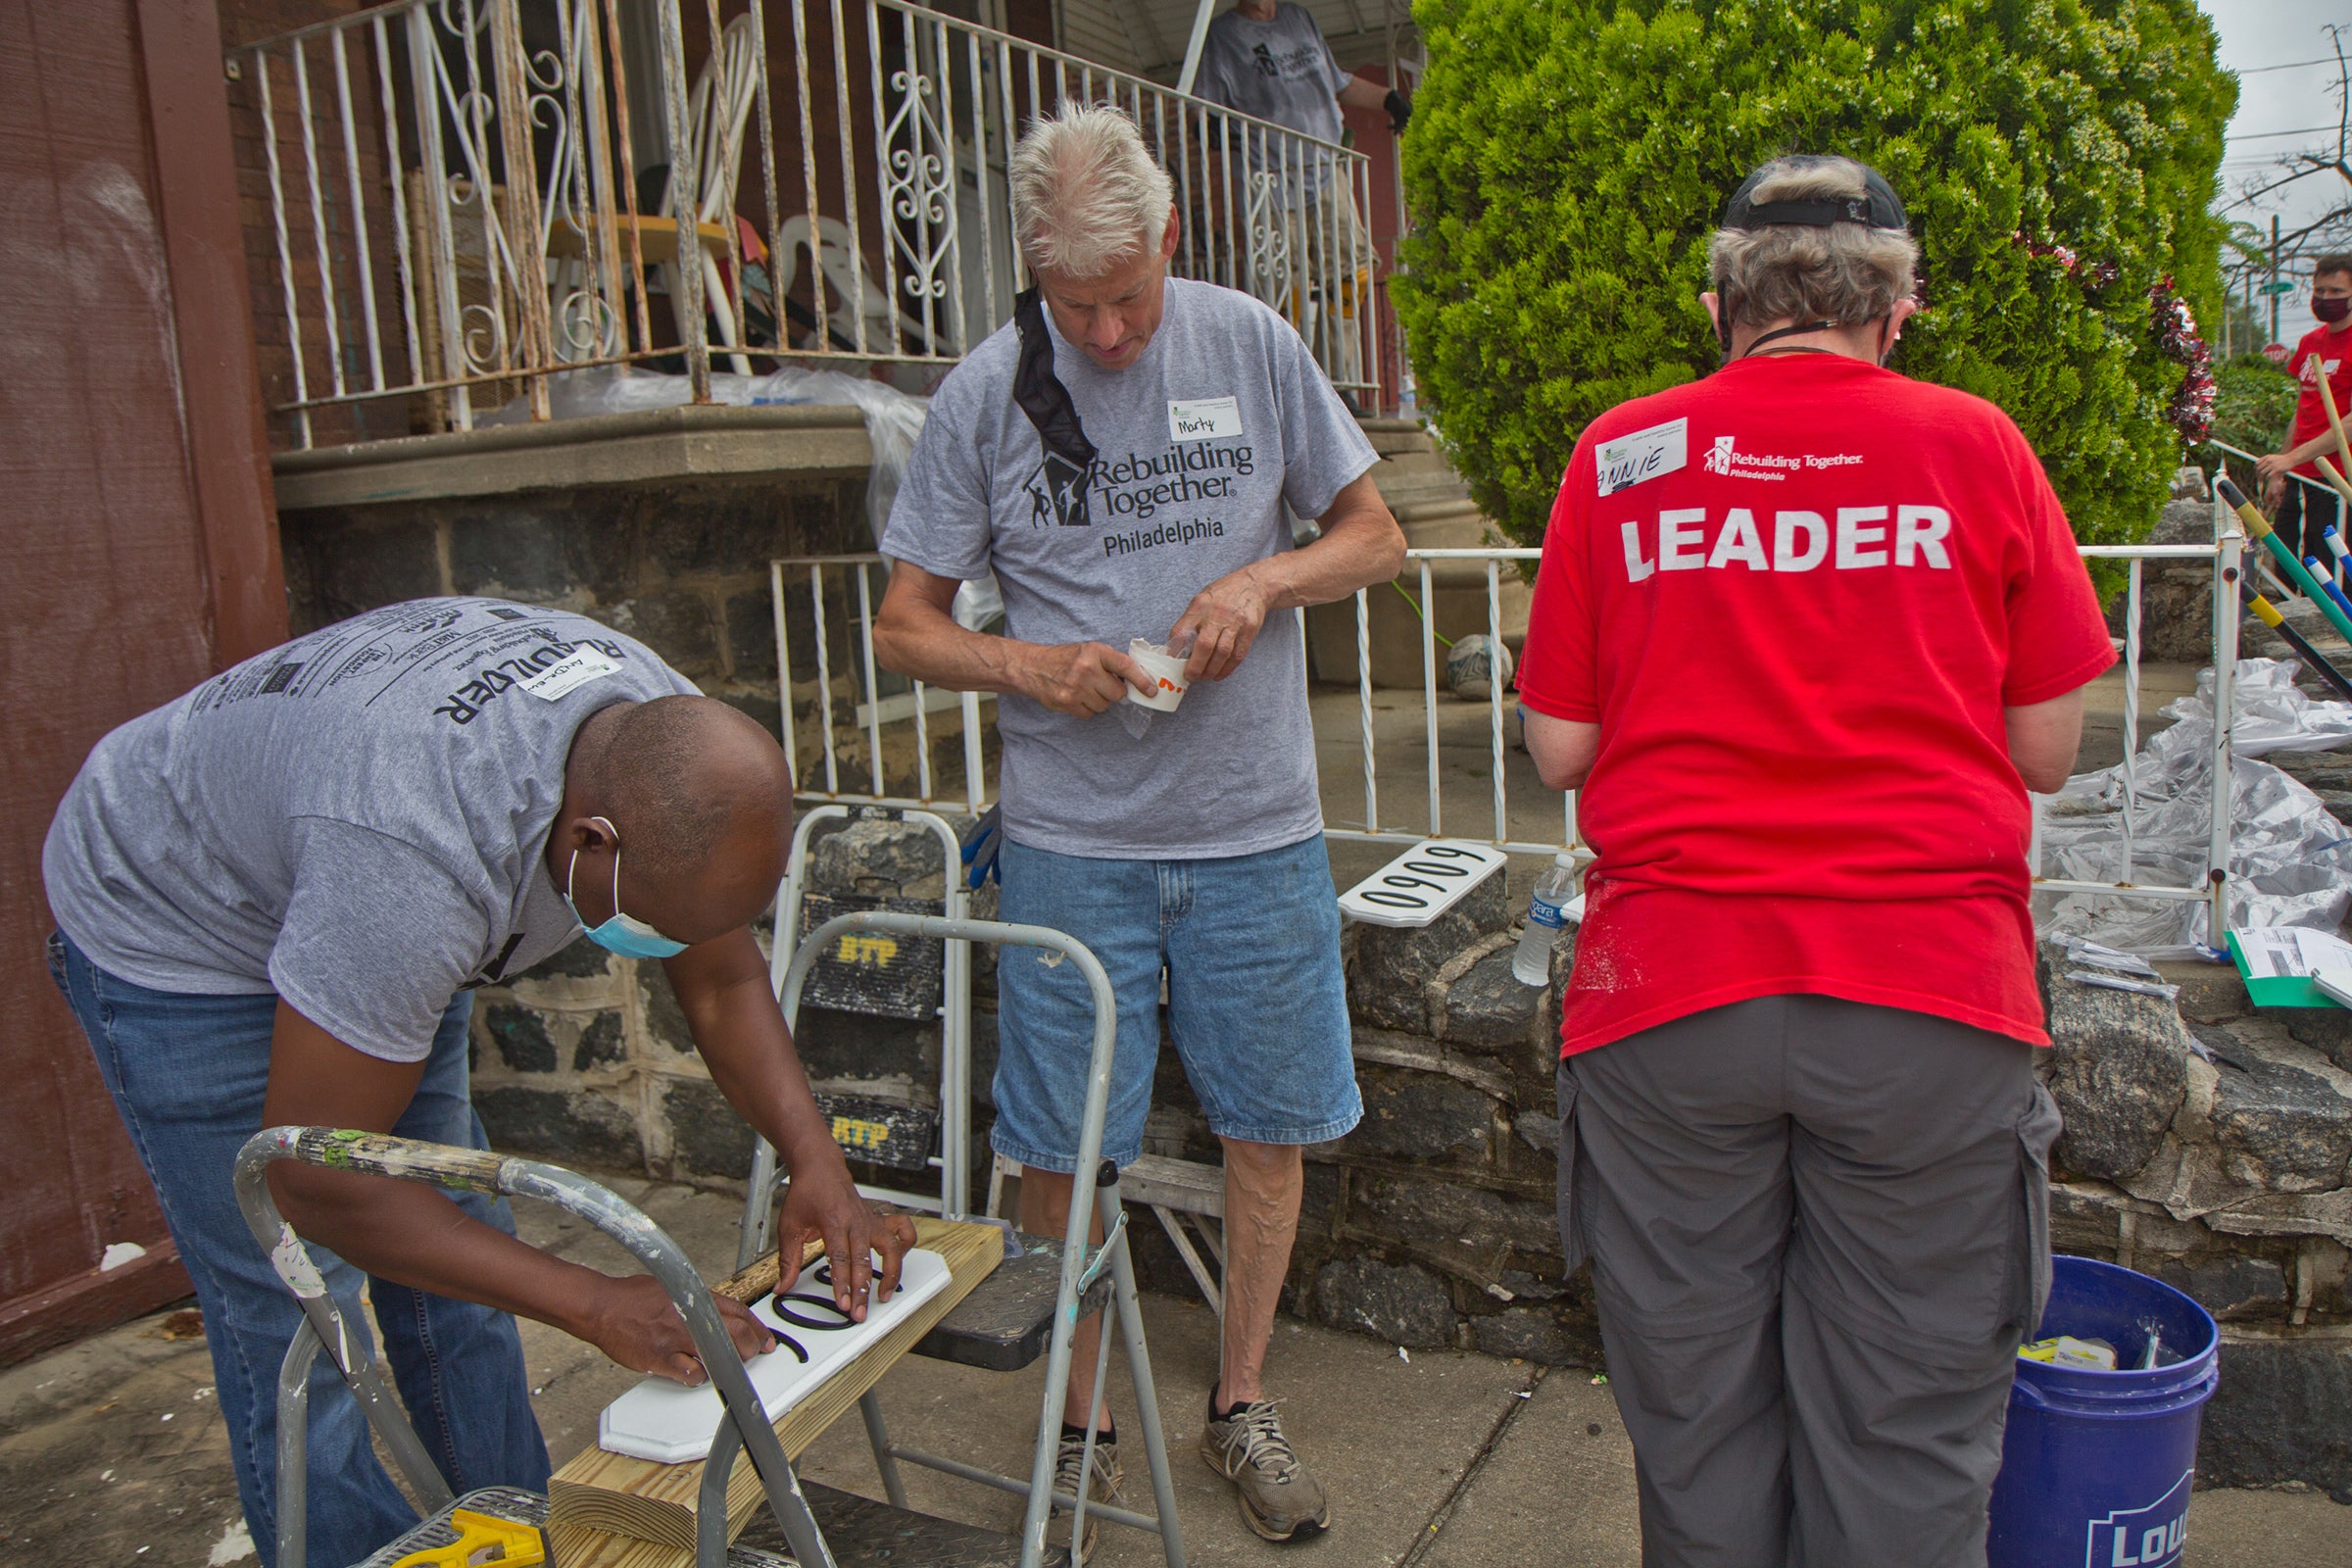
x,y
2268,33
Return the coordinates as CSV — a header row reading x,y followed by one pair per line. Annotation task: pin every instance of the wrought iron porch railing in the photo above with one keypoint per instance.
x,y
465,197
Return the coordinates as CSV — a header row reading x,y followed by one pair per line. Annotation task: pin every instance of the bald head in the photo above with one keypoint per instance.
x,y
699,797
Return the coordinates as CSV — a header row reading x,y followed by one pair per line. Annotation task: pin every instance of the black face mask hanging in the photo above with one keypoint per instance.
x,y
1070,455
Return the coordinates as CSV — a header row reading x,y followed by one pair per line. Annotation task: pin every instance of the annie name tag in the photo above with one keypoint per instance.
x,y
1647,453
1203,419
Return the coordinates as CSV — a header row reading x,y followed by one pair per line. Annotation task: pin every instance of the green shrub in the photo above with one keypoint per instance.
x,y
1568,159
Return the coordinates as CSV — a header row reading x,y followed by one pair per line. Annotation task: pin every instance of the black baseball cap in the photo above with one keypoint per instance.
x,y
1877,208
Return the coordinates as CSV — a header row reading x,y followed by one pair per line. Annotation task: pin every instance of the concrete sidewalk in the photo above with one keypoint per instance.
x,y
112,1451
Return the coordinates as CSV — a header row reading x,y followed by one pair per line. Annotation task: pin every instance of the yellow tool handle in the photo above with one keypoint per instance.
x,y
2334,478
2336,421
2297,574
2264,610
516,1544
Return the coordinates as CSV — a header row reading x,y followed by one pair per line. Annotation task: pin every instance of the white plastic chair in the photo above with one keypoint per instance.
x,y
718,110
886,325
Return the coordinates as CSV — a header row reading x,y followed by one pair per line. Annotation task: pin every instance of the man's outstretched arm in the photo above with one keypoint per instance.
x,y
1360,545
413,1234
916,635
722,988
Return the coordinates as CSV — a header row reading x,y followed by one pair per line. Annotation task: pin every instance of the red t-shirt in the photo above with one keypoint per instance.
x,y
2321,353
1797,617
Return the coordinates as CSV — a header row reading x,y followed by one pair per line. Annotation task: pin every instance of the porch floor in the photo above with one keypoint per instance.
x,y
114,1449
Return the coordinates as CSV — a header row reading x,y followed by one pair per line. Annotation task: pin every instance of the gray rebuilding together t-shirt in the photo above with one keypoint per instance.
x,y
1198,443
1280,71
355,820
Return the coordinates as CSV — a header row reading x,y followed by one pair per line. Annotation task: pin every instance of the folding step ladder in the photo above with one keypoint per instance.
x,y
1009,1318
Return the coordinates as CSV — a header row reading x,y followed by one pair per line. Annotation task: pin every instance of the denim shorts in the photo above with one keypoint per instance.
x,y
1258,1006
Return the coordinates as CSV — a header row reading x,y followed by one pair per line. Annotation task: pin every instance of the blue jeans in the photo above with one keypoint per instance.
x,y
1257,1007
187,1074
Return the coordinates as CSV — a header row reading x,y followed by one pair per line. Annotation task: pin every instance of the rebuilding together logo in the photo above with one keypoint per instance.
x,y
1137,487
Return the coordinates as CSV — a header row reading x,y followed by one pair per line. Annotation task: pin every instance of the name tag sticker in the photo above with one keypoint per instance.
x,y
1645,455
570,674
1203,419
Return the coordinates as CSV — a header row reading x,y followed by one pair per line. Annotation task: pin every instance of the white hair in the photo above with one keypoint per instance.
x,y
1087,193
1842,272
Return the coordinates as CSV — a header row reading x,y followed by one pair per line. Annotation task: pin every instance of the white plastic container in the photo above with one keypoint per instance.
x,y
1163,668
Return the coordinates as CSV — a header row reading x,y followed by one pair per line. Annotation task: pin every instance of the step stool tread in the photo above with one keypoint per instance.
x,y
866,1534
1006,1323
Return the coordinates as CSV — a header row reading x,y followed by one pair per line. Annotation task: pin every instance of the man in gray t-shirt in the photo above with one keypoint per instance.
x,y
1269,60
1120,457
274,898
1311,255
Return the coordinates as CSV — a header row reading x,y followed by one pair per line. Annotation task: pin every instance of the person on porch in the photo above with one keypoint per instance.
x,y
1120,455
1269,60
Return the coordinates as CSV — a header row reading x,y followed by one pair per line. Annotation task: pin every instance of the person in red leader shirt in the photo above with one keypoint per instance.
x,y
2306,504
1804,635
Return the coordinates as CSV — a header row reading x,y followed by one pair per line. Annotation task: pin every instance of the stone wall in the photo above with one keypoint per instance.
x,y
2208,1144
681,565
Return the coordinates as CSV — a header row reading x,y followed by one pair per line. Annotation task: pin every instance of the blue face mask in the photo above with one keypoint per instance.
x,y
623,934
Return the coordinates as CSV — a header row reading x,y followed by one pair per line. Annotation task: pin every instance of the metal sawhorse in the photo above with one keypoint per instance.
x,y
866,1533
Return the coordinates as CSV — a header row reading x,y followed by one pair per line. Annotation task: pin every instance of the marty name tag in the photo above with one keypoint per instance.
x,y
1203,419
1645,455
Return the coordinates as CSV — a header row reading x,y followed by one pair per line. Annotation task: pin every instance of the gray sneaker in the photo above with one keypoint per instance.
x,y
1068,1461
1280,1498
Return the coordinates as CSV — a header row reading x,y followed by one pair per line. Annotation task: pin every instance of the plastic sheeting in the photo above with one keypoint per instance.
x,y
893,420
2290,862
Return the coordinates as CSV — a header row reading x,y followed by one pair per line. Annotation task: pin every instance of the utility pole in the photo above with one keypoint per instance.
x,y
2274,278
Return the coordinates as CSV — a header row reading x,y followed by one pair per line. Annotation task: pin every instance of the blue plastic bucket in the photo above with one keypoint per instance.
x,y
2097,1466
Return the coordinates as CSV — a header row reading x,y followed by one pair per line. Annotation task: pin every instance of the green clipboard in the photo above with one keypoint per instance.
x,y
2276,990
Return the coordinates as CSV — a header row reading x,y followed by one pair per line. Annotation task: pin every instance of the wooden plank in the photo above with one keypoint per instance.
x,y
610,1511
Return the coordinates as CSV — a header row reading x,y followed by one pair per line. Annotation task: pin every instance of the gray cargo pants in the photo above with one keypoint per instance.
x,y
1817,1231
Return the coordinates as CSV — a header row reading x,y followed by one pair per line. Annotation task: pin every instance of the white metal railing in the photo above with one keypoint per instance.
x,y
2227,552
469,195
862,730
878,723
2325,491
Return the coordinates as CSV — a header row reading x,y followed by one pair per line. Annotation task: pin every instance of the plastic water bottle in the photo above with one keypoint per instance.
x,y
1531,965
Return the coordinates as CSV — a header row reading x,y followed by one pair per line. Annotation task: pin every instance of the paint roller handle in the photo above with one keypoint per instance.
x,y
2335,420
2252,597
2313,660
2327,581
2259,527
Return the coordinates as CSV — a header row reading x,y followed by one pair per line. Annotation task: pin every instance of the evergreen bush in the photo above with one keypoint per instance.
x,y
1568,157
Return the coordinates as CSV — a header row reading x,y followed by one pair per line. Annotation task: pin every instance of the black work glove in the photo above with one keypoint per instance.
x,y
1399,108
981,842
